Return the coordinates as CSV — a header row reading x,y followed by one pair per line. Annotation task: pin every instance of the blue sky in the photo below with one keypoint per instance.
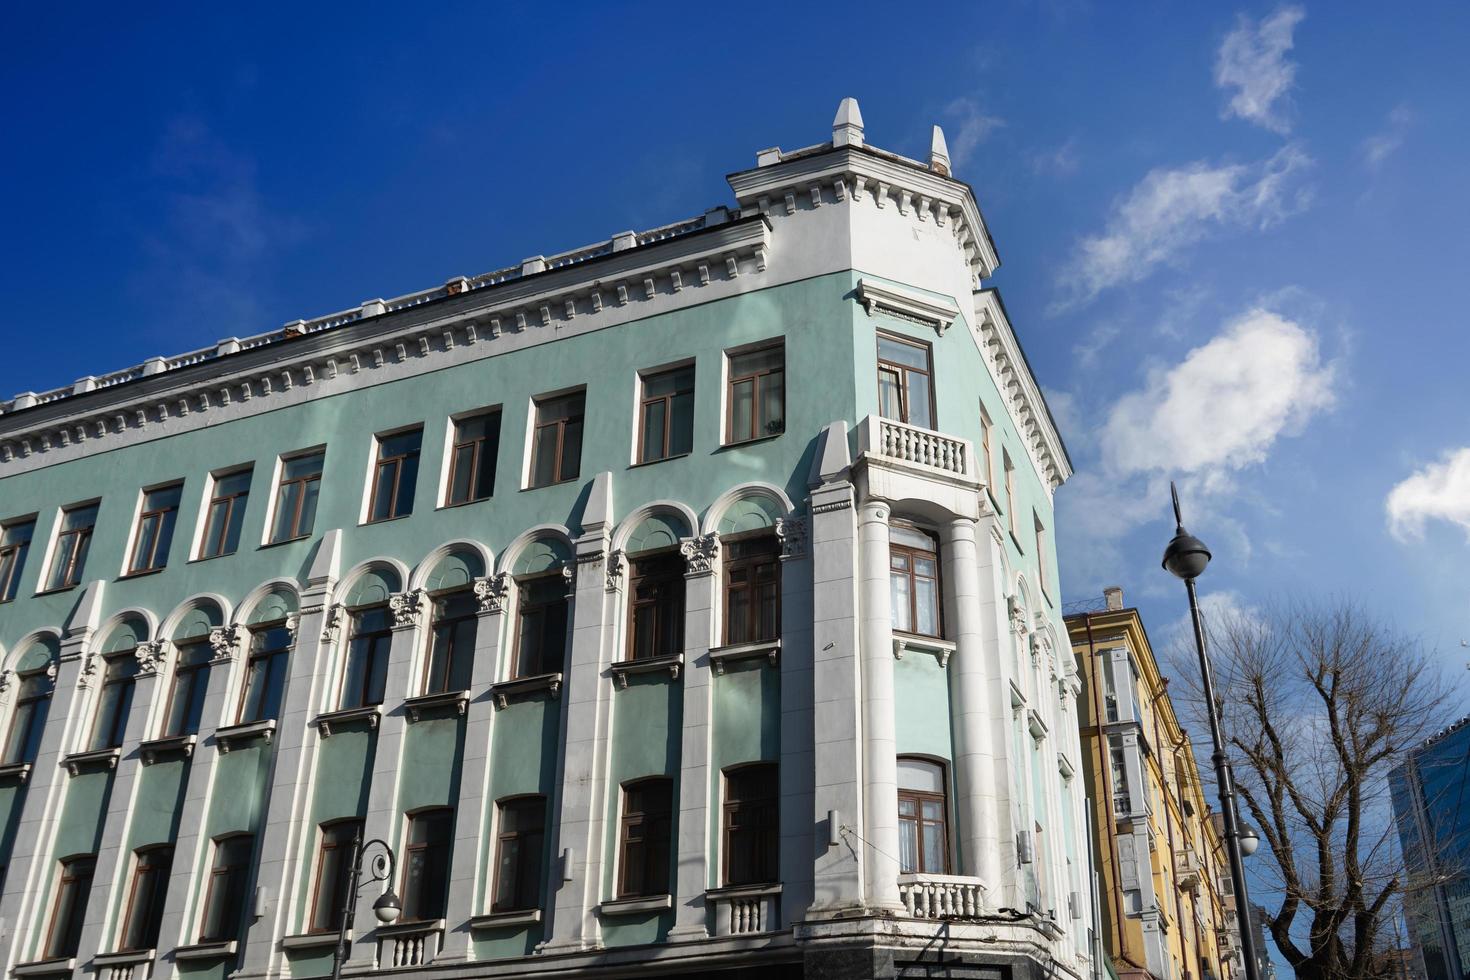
x,y
1232,235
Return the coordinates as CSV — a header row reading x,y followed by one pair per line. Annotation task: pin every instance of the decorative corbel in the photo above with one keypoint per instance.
x,y
617,566
331,623
791,532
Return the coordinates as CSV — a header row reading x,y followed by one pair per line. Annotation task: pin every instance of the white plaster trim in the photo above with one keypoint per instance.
x,y
636,906
505,920
44,968
313,940
130,957
524,686
883,296
719,657
652,665
227,736
206,951
439,699
942,649
328,720
152,748
94,759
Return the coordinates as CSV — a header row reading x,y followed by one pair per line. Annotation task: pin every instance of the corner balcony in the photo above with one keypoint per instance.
x,y
927,896
905,462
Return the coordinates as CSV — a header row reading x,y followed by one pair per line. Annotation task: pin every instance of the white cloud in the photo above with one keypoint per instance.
x,y
1384,143
1172,209
974,126
1224,406
1059,162
1252,64
1439,491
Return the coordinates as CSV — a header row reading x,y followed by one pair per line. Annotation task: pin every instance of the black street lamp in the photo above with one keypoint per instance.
x,y
1186,557
386,908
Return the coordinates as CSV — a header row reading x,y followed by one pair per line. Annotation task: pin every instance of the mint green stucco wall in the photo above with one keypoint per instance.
x,y
79,832
747,728
339,789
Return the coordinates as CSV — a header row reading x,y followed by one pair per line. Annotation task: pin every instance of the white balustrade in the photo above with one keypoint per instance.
x,y
914,446
941,896
411,944
742,911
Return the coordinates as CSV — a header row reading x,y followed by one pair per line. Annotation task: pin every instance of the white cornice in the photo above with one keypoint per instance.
x,y
876,295
416,337
1018,388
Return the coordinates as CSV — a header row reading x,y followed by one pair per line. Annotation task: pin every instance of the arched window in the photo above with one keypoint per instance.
x,y
752,827
32,697
333,871
151,867
752,589
73,886
366,671
519,843
265,672
451,642
647,837
923,826
119,670
426,864
224,903
656,605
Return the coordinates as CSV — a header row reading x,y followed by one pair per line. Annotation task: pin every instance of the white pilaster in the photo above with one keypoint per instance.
x,y
880,741
798,768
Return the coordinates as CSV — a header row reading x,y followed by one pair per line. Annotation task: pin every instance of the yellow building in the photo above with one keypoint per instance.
x,y
1164,897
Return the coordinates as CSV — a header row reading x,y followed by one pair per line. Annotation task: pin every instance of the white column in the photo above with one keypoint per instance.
x,y
798,768
692,875
25,905
582,796
112,857
880,742
381,820
970,683
469,865
1002,875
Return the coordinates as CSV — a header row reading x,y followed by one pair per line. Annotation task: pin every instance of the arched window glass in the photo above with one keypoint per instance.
x,y
923,833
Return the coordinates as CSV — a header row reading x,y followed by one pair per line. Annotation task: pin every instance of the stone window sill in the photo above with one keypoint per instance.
x,y
131,957
313,940
339,720
228,737
206,951
173,744
95,759
525,686
411,928
743,891
457,700
20,770
904,642
637,906
504,920
43,968
719,657
651,665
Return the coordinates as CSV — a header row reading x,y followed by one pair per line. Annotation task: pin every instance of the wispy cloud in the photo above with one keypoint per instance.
x,y
1172,209
1384,143
1252,65
1061,161
1438,492
972,127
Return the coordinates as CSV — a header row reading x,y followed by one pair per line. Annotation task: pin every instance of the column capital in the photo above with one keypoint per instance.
x,y
225,641
700,553
874,512
492,591
407,608
961,527
792,533
150,656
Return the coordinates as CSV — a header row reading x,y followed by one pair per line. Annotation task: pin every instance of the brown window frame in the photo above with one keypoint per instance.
x,y
919,798
303,482
525,608
13,556
557,476
123,708
769,834
757,382
751,564
903,371
1042,578
153,911
279,657
399,462
165,516
646,401
66,879
631,820
324,846
436,622
1010,478
478,456
234,876
380,643
216,549
75,545
518,902
663,572
910,554
410,849
15,715
987,429
189,672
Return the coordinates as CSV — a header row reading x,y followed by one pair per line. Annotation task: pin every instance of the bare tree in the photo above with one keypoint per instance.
x,y
1318,704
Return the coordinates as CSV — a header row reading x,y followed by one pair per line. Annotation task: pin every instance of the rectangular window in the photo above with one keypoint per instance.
x,y
15,544
472,458
752,828
987,451
296,496
225,514
451,642
367,658
333,873
541,633
756,395
73,541
1118,763
518,852
905,393
647,832
666,415
72,890
190,683
752,589
656,606
224,903
426,864
914,583
395,474
923,834
265,673
115,700
32,697
1010,478
151,869
155,529
1041,555
556,444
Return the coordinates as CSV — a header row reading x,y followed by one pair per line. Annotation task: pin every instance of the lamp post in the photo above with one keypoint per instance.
x,y
1185,558
386,908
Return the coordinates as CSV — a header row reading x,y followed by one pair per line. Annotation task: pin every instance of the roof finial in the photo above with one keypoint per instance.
x,y
847,128
939,153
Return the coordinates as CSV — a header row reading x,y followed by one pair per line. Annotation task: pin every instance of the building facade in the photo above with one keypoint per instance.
x,y
683,603
1166,900
1431,803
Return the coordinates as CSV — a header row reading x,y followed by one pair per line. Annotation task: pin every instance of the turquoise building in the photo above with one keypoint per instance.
x,y
685,603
